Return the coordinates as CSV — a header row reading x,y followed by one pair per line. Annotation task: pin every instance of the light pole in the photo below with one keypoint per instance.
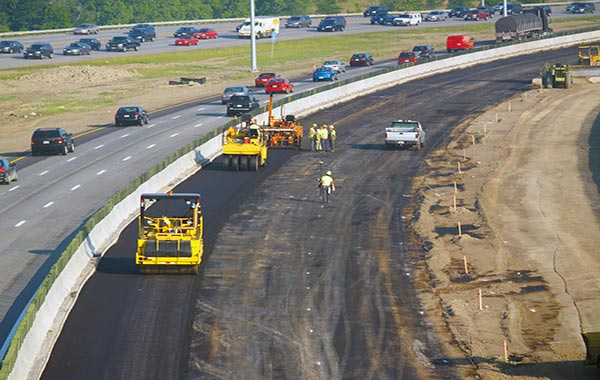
x,y
252,38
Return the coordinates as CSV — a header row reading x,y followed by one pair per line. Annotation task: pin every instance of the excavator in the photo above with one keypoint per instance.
x,y
283,132
169,233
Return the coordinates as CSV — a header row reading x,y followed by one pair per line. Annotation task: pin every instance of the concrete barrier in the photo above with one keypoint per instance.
x,y
38,342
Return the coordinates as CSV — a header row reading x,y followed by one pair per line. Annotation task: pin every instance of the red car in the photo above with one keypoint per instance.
x,y
262,79
186,41
477,14
206,33
408,57
279,85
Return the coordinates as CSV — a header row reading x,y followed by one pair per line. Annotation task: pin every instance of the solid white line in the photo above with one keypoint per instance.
x,y
198,125
125,135
71,159
150,146
44,172
48,204
101,172
75,187
175,117
201,109
99,146
127,158
13,188
20,223
174,134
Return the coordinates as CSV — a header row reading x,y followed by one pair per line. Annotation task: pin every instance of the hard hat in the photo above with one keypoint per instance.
x,y
325,125
332,127
314,124
328,172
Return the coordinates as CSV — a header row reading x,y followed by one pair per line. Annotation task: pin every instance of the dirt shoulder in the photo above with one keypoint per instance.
x,y
527,207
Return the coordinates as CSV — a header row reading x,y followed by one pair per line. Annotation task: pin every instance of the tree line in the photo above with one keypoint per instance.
x,y
20,15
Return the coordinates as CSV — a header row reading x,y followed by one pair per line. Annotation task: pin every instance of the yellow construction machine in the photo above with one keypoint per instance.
x,y
556,75
244,148
589,55
283,132
170,233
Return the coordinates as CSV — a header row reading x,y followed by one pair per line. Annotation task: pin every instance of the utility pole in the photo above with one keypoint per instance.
x,y
253,38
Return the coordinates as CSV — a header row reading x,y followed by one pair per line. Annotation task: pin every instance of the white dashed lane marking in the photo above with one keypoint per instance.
x,y
44,172
175,117
48,204
99,146
71,159
75,187
127,158
174,134
13,188
125,135
198,125
201,109
20,223
150,146
101,172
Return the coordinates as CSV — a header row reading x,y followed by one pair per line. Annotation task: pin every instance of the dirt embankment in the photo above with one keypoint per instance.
x,y
516,222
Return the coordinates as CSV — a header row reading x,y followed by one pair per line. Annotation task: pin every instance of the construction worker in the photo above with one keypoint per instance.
x,y
324,137
332,137
318,145
327,186
312,135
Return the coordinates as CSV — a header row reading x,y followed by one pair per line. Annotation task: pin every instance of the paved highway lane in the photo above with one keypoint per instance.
x,y
254,318
56,194
227,37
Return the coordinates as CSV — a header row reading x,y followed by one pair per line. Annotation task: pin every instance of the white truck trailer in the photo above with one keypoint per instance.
x,y
264,26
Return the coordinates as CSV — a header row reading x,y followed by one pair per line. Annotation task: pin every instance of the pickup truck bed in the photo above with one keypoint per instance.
x,y
404,133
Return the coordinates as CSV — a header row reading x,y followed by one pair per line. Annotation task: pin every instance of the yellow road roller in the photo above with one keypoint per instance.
x,y
169,233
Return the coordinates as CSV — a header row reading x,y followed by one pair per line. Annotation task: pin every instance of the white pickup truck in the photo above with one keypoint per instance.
x,y
405,132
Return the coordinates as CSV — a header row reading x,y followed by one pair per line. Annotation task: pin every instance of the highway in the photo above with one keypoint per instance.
x,y
289,289
165,41
56,194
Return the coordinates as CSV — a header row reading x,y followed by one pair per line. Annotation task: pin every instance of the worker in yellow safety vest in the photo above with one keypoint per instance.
x,y
332,137
323,133
312,136
327,185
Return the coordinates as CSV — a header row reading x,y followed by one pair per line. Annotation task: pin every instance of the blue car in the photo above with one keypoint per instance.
x,y
324,73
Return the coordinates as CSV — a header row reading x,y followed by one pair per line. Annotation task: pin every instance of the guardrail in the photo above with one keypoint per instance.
x,y
218,21
313,101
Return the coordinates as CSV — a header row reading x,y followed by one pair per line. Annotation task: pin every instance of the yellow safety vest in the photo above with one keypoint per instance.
x,y
326,180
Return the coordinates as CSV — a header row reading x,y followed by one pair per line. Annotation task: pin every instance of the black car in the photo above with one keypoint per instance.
x,y
458,12
379,17
185,31
373,9
11,47
239,104
94,43
583,8
514,9
77,48
143,34
361,59
298,22
135,115
141,26
8,171
122,43
425,51
39,50
332,24
51,140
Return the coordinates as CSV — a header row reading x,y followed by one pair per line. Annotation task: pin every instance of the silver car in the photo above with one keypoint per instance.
x,y
335,64
86,29
234,90
436,16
